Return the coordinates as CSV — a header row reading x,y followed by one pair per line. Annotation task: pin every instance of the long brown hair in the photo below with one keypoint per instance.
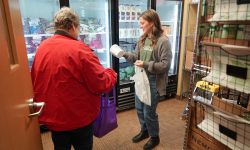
x,y
151,16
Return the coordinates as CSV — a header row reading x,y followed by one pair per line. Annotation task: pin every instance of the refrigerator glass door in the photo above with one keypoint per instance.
x,y
170,16
37,19
95,26
129,33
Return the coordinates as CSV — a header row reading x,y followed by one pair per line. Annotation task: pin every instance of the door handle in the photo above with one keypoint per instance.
x,y
33,107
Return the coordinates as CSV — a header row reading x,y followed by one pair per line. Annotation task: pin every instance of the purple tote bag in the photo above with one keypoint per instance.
x,y
106,120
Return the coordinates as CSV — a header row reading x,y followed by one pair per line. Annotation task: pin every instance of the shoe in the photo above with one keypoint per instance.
x,y
152,142
141,136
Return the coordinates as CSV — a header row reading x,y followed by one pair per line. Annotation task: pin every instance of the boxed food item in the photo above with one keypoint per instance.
x,y
204,92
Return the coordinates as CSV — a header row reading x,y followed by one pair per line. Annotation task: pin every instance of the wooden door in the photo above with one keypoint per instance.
x,y
18,131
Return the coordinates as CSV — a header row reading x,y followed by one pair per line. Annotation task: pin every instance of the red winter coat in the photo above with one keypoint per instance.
x,y
69,78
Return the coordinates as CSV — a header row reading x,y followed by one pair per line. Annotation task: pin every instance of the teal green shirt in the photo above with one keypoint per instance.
x,y
146,51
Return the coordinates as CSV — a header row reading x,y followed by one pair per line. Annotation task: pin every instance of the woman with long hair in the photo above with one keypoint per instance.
x,y
153,53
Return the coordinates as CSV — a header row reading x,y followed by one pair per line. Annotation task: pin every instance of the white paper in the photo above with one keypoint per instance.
x,y
116,51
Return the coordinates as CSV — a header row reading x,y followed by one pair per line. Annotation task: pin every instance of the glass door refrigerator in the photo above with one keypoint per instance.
x,y
95,26
37,20
129,33
95,22
170,13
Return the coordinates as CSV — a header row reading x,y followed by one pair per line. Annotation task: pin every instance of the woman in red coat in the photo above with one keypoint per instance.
x,y
69,78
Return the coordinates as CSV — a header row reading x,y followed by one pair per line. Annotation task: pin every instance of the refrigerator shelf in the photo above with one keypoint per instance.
x,y
103,62
170,21
47,35
129,37
101,50
127,82
127,21
94,33
37,35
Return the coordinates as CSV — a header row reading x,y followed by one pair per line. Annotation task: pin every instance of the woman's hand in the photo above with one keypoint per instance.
x,y
139,63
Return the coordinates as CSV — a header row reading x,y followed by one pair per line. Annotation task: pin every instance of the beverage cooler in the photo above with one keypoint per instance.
x,y
37,17
95,26
129,33
170,13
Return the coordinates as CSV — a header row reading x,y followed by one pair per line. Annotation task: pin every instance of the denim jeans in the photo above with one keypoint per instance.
x,y
147,115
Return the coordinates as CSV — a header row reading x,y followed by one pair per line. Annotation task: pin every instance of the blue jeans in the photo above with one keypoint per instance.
x,y
147,115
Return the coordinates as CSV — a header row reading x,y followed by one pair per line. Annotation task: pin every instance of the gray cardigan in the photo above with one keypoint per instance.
x,y
160,64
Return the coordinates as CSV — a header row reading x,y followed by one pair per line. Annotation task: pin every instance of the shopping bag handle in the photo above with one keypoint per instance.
x,y
107,101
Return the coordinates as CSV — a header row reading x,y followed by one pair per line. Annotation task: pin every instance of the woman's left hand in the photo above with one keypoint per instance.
x,y
139,63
